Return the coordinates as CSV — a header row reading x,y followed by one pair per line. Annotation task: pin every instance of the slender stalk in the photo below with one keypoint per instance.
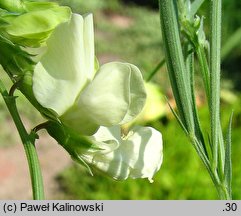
x,y
215,77
156,69
28,143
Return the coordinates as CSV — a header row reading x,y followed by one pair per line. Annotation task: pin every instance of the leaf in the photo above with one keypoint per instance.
x,y
228,159
178,119
195,6
175,61
155,70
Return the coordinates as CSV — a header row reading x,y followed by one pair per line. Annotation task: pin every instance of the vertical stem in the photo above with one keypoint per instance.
x,y
35,170
28,143
215,76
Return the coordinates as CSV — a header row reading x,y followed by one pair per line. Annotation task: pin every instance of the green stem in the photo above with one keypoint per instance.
x,y
28,143
215,76
216,131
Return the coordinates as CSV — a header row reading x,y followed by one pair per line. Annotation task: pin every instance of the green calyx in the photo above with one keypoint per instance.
x,y
13,59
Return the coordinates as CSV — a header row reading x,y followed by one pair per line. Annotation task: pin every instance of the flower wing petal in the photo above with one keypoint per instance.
x,y
137,94
105,100
115,96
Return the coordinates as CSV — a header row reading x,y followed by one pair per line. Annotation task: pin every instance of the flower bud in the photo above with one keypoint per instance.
x,y
31,23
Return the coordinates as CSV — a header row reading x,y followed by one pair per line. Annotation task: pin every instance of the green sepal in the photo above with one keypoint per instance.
x,y
13,59
67,137
71,141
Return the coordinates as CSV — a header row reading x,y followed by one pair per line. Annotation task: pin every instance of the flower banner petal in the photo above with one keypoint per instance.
x,y
61,74
89,46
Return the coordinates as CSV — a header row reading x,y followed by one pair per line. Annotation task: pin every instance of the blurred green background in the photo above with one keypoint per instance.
x,y
130,31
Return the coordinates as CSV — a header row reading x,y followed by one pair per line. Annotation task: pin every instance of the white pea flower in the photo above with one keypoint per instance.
x,y
89,100
84,97
137,155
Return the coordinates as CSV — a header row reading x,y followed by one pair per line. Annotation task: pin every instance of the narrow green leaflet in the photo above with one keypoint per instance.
x,y
196,4
155,70
228,158
175,62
